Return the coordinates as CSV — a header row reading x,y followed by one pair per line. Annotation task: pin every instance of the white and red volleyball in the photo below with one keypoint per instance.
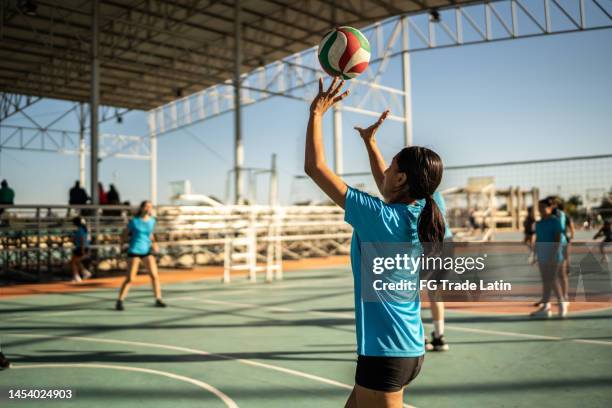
x,y
344,52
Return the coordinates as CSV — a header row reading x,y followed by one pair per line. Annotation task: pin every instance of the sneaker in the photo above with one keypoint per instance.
x,y
86,274
563,309
438,343
428,345
76,279
4,363
160,303
119,305
543,311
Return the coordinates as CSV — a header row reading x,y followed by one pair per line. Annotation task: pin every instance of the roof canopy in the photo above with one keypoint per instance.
x,y
154,51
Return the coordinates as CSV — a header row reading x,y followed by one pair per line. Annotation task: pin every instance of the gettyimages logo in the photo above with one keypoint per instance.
x,y
397,272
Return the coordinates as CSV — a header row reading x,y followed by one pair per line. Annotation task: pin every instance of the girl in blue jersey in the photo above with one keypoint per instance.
x,y
548,239
81,250
567,234
390,338
142,246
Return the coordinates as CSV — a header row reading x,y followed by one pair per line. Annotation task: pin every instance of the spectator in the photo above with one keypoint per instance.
x,y
112,196
77,195
102,195
7,195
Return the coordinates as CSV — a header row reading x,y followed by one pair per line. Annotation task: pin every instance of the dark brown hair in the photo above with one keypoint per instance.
x,y
140,213
423,168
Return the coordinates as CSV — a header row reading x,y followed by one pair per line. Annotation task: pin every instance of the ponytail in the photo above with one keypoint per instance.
x,y
423,168
431,227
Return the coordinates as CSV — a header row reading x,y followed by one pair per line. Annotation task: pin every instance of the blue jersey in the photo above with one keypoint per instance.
x,y
563,221
546,234
81,238
391,329
140,235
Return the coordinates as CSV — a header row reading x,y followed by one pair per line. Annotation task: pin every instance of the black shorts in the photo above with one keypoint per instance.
x,y
80,252
387,374
141,256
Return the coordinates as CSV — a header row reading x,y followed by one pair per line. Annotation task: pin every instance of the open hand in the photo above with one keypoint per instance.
x,y
368,133
325,99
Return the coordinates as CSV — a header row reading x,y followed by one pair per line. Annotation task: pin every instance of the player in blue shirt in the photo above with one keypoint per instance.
x,y
548,238
567,234
390,338
141,247
81,250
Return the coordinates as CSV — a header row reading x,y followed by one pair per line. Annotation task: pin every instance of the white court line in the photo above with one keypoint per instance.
x,y
37,315
226,400
198,352
452,327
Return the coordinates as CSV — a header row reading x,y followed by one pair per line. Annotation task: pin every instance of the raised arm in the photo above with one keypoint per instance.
x,y
377,162
315,164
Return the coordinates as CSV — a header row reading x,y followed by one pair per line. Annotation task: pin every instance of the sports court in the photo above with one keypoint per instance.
x,y
248,131
289,344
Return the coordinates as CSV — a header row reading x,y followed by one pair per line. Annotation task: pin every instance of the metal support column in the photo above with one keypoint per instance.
x,y
95,100
273,198
338,165
153,156
238,147
82,180
407,87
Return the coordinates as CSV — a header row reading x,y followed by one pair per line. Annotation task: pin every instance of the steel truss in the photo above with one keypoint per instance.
x,y
293,77
47,138
11,104
68,142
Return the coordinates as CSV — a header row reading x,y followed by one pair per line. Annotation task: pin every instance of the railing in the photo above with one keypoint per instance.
x,y
36,240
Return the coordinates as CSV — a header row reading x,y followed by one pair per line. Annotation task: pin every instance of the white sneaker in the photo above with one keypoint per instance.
x,y
563,309
76,279
86,274
544,311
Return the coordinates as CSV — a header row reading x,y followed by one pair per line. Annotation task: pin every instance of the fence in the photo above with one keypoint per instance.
x,y
36,241
589,177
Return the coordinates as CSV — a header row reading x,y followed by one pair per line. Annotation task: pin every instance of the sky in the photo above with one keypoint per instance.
x,y
541,97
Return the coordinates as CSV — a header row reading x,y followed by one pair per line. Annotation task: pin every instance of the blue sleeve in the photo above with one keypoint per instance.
x,y
360,209
440,202
130,225
442,206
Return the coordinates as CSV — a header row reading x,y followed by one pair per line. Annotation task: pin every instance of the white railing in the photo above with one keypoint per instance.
x,y
37,238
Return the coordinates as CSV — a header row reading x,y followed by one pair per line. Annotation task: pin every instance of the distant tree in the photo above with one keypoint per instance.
x,y
572,205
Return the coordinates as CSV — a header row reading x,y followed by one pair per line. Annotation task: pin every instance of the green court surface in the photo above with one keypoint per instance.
x,y
287,344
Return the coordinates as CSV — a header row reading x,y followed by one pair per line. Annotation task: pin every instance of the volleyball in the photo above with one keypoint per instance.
x,y
344,52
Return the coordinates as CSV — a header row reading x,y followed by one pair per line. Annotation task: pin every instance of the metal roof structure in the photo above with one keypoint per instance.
x,y
186,61
153,51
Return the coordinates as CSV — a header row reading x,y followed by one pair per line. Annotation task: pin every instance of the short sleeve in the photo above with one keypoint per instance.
x,y
440,202
361,208
442,206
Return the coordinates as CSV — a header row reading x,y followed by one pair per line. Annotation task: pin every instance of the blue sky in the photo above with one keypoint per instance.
x,y
514,100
